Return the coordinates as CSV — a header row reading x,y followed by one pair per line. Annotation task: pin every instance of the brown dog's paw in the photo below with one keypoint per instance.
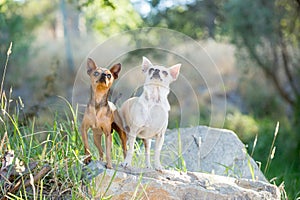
x,y
87,160
108,166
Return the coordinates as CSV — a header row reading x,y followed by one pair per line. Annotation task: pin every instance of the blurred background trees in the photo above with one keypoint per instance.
x,y
269,34
51,38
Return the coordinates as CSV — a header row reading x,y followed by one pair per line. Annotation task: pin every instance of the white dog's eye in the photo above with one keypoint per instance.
x,y
96,73
165,73
108,76
151,70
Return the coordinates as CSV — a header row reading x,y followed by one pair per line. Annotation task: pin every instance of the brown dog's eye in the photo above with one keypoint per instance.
x,y
151,70
108,76
165,73
96,73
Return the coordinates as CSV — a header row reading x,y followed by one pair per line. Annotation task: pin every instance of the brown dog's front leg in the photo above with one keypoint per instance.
x,y
97,133
84,136
108,144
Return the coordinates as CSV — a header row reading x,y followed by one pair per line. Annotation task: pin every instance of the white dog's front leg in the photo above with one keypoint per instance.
x,y
127,161
158,145
147,144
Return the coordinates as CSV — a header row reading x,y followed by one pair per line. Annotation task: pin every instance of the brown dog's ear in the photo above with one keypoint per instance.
x,y
91,66
115,70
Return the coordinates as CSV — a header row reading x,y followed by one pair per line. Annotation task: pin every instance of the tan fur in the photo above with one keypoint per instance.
x,y
100,114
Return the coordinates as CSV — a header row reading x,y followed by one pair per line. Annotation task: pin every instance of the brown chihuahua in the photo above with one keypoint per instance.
x,y
100,114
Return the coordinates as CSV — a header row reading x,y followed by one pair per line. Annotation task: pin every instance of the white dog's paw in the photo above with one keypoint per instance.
x,y
125,164
149,166
159,168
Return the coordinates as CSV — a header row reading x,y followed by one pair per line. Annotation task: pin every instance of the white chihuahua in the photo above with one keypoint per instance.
x,y
146,116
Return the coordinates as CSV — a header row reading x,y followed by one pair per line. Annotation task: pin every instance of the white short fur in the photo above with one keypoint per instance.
x,y
146,116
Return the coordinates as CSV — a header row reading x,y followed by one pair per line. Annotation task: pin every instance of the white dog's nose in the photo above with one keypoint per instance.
x,y
156,74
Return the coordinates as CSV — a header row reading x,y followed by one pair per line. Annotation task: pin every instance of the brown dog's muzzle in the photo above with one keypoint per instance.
x,y
103,77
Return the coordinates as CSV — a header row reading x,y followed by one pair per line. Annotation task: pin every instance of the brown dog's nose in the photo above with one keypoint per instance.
x,y
102,78
103,75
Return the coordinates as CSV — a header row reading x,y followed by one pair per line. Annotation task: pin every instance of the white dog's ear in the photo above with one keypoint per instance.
x,y
174,71
146,64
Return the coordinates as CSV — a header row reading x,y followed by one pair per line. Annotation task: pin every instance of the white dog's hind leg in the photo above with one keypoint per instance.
x,y
131,141
147,144
158,145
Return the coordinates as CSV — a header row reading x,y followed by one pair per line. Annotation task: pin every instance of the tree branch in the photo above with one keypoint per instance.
x,y
269,74
287,71
279,88
298,1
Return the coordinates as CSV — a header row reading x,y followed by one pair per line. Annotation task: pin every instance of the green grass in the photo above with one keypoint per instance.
x,y
58,146
180,166
60,151
52,153
275,147
54,157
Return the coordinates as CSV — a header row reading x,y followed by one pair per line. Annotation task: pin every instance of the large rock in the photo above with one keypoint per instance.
x,y
210,150
216,160
148,184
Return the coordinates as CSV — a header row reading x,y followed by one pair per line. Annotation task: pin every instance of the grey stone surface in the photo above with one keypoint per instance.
x,y
130,184
218,167
210,150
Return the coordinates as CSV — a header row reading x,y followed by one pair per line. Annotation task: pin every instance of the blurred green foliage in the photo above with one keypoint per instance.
x,y
110,19
12,26
271,42
198,19
245,125
259,98
18,21
285,165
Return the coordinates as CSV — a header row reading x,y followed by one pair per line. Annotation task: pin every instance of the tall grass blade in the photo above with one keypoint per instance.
x,y
272,149
110,182
137,187
181,162
5,68
32,185
75,120
250,167
2,144
254,145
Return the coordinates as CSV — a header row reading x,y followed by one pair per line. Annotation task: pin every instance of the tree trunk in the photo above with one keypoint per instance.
x,y
67,40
